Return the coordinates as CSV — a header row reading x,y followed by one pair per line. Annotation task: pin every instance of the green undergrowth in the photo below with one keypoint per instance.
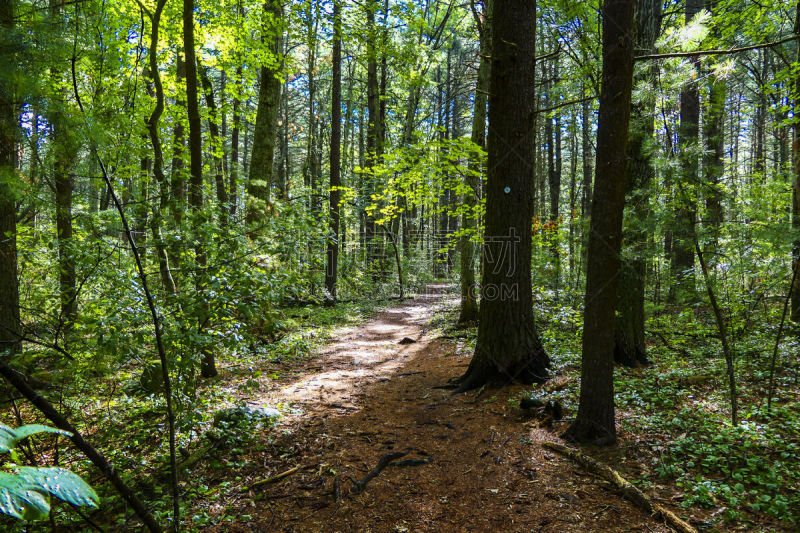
x,y
675,414
129,426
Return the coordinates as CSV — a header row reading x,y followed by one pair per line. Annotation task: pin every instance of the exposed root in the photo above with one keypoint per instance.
x,y
361,484
628,491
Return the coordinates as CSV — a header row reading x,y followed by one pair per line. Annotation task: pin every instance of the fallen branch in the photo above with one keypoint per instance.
x,y
277,477
668,344
360,485
629,491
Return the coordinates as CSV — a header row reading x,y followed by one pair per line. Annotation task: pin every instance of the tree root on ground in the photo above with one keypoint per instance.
x,y
629,492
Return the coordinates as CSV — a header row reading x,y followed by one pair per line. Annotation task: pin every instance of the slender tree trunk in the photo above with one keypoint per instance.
x,y
586,163
208,367
508,348
65,149
573,194
9,295
218,149
233,191
682,259
629,336
177,179
469,289
795,315
335,155
373,148
714,166
269,97
594,422
158,155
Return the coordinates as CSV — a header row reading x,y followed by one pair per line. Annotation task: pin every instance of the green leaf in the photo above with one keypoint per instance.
x,y
22,499
61,483
9,437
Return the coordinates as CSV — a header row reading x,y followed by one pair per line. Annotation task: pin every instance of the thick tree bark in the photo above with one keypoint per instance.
x,y
469,289
682,257
9,295
331,269
269,96
508,348
629,338
595,419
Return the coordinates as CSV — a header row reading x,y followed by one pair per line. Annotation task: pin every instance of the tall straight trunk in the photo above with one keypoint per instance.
x,y
9,296
233,191
218,149
682,257
65,150
469,297
508,348
629,336
586,155
208,366
573,193
177,180
373,144
594,422
713,159
310,168
586,175
796,183
269,96
331,270
760,120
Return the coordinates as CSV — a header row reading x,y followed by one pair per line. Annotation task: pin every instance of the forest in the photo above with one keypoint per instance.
x,y
399,265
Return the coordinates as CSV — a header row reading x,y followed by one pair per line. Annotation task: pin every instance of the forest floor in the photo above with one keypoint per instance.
x,y
477,463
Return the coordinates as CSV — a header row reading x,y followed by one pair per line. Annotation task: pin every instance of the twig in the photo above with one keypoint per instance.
x,y
278,477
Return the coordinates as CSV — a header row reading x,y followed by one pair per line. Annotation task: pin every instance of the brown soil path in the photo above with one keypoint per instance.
x,y
366,395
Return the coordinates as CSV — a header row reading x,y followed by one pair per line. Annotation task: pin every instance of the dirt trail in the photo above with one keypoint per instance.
x,y
479,464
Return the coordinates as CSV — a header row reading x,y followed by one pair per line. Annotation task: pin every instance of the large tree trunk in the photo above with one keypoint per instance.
x,y
682,257
796,183
508,348
335,156
208,367
373,146
469,299
269,97
629,338
595,419
9,295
